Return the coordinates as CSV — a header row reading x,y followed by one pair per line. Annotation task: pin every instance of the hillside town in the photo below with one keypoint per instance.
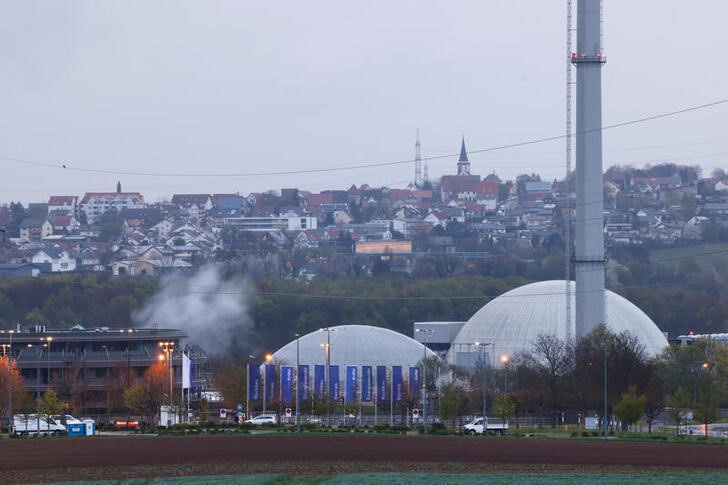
x,y
465,217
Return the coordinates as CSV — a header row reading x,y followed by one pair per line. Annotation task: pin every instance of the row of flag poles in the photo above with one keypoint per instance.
x,y
366,384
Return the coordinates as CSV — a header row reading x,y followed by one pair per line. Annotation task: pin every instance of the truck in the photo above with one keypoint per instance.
x,y
29,424
478,425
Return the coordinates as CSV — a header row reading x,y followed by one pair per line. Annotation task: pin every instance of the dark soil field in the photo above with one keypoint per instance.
x,y
59,459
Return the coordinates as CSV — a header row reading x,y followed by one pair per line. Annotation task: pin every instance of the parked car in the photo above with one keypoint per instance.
x,y
478,426
27,424
264,419
65,419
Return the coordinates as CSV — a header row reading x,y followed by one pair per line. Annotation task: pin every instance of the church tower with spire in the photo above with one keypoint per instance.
x,y
463,162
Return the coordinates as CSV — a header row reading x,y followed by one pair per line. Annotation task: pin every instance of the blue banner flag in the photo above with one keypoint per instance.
x,y
366,383
381,383
334,382
287,384
270,382
253,383
319,381
397,383
414,383
303,383
352,380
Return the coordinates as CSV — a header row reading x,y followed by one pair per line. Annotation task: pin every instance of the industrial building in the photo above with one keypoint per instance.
x,y
359,345
513,322
90,367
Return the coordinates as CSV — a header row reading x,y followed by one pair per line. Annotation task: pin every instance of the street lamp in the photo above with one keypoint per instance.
x,y
128,357
505,360
266,358
328,331
37,390
48,345
167,348
427,333
483,345
9,346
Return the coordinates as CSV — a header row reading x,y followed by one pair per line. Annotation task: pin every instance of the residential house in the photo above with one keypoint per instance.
x,y
35,229
63,223
95,204
18,270
195,205
459,187
66,204
486,194
55,260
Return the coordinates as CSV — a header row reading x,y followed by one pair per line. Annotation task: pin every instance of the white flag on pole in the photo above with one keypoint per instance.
x,y
186,381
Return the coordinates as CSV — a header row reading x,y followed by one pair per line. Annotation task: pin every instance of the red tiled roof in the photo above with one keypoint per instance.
x,y
62,199
135,196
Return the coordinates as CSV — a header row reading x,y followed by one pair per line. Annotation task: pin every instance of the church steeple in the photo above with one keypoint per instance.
x,y
118,186
463,162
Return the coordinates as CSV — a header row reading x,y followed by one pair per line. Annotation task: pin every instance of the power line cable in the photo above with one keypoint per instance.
x,y
66,166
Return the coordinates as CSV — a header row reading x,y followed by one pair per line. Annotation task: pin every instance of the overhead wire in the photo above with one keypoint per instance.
x,y
354,166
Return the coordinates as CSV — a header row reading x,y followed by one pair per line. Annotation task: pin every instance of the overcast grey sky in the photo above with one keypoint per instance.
x,y
241,87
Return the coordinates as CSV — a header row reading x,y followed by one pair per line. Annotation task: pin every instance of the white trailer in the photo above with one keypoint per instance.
x,y
478,425
29,424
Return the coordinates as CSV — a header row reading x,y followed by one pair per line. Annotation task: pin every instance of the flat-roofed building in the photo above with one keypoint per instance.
x,y
90,368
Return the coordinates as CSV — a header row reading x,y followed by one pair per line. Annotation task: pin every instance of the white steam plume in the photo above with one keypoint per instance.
x,y
211,310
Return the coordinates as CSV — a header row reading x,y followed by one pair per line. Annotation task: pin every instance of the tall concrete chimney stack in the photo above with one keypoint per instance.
x,y
589,242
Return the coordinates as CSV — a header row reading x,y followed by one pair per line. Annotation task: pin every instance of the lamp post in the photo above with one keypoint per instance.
x,y
37,391
298,385
426,333
167,347
128,358
482,346
48,345
248,414
10,379
505,360
327,392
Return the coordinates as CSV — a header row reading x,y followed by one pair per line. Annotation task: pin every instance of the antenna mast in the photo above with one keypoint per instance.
x,y
567,207
418,162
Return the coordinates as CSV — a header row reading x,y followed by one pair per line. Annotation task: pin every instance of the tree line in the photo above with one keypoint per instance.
x,y
280,308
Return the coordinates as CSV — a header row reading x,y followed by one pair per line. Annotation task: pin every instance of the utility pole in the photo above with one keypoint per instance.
x,y
606,423
482,346
10,381
327,377
298,385
427,333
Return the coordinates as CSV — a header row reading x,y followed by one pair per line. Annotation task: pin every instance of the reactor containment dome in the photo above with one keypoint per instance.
x,y
512,323
359,345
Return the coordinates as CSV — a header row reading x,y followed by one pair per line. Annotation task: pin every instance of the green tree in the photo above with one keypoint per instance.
x,y
9,370
138,400
455,399
678,404
110,225
50,404
706,409
631,407
230,380
505,407
36,316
